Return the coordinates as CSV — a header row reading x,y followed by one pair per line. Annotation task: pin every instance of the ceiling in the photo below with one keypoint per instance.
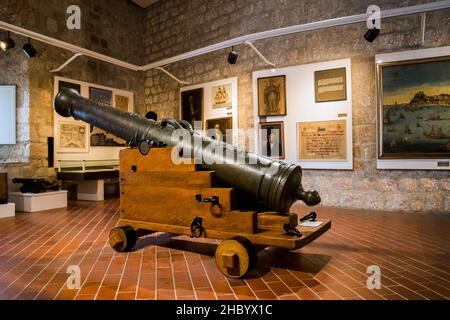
x,y
144,3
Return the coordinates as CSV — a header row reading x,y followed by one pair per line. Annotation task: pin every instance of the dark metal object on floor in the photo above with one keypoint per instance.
x,y
276,185
291,231
309,217
36,185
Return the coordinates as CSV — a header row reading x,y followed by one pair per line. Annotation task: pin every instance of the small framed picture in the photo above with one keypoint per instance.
x,y
219,129
72,136
69,85
331,85
192,106
271,137
121,102
103,97
272,96
221,96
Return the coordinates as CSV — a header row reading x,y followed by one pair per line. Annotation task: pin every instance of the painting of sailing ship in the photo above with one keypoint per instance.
x,y
414,109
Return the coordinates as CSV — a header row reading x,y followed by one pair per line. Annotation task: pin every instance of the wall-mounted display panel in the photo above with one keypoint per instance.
x,y
413,109
68,146
210,102
8,114
302,109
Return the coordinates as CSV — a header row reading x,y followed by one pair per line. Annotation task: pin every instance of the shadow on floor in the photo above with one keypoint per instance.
x,y
267,258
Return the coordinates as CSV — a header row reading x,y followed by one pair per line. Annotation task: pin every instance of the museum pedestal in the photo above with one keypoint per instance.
x,y
32,202
91,190
7,210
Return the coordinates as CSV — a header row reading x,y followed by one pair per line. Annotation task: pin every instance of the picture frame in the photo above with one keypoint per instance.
x,y
70,85
8,105
324,140
221,124
72,137
267,131
330,85
121,102
272,96
221,96
192,106
413,109
101,96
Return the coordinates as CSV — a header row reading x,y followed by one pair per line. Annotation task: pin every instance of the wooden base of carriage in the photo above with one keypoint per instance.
x,y
160,196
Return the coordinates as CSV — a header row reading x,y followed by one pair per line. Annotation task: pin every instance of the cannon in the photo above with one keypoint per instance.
x,y
173,179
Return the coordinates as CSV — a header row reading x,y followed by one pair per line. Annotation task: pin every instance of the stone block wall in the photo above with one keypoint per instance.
x,y
112,27
177,26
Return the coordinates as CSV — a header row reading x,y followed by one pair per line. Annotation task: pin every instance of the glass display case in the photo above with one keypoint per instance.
x,y
87,165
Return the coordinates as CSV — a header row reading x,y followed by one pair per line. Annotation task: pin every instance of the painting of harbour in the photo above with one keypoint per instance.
x,y
415,110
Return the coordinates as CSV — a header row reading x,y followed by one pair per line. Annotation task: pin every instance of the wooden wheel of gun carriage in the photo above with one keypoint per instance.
x,y
244,205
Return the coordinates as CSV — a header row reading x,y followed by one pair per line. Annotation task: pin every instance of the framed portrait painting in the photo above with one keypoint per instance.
x,y
271,137
414,109
272,96
220,129
192,106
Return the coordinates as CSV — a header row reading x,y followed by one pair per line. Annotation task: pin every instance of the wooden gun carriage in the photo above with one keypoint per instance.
x,y
158,195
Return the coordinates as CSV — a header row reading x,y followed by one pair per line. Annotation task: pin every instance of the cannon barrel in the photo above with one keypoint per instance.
x,y
274,184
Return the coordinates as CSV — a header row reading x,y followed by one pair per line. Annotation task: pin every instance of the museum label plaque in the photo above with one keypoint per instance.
x,y
322,140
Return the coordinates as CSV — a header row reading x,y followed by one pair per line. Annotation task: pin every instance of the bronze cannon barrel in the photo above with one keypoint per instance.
x,y
276,185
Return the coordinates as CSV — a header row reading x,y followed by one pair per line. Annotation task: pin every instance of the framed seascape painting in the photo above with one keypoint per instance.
x,y
271,137
414,109
272,96
221,96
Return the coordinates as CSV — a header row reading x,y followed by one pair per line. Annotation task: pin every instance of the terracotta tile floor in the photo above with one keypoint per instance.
x,y
412,250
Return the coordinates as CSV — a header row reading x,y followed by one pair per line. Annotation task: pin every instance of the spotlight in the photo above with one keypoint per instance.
x,y
233,56
372,34
7,43
29,50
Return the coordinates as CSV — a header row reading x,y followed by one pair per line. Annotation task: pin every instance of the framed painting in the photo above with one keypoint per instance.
x,y
72,136
121,102
331,85
221,96
69,85
271,137
192,106
220,129
413,117
101,96
272,96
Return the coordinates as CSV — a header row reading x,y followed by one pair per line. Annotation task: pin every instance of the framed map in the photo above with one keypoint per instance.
x,y
414,109
73,136
322,140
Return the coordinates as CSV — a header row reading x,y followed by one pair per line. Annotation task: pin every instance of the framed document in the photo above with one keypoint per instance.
x,y
331,85
72,136
322,140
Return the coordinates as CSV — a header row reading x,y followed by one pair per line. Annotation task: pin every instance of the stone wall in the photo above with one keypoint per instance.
x,y
112,27
177,26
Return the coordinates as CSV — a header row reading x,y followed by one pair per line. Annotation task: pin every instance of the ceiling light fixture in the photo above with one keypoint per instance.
x,y
372,33
7,43
233,56
29,50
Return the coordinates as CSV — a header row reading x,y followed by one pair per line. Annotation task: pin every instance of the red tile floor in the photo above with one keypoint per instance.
x,y
412,250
